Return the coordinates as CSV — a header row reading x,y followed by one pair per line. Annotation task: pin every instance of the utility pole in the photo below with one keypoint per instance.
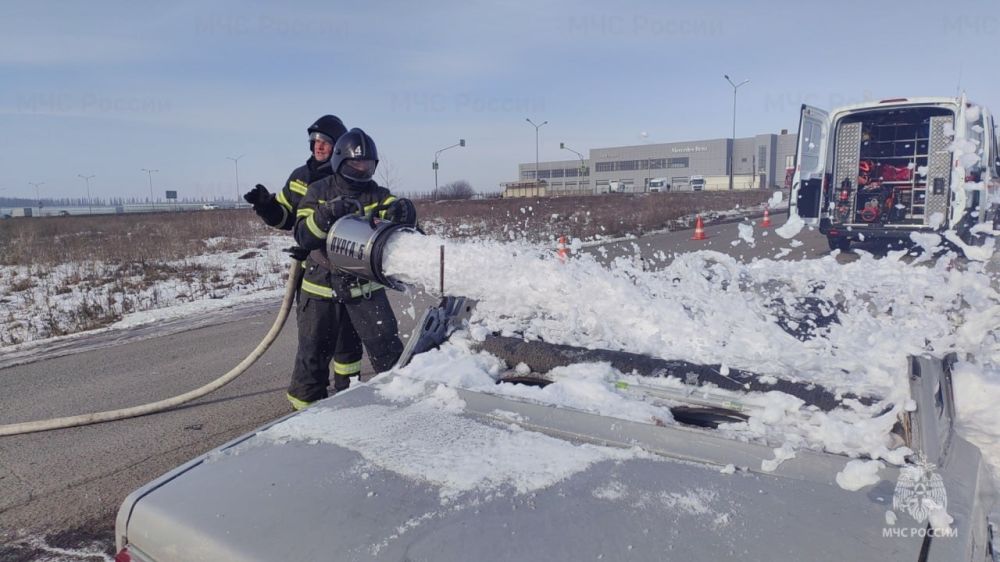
x,y
90,204
38,195
583,166
236,162
732,148
152,200
536,143
461,142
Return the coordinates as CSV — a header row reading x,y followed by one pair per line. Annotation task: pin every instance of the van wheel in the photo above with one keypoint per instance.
x,y
839,243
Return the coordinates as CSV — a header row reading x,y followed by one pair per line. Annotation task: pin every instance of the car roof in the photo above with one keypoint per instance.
x,y
283,493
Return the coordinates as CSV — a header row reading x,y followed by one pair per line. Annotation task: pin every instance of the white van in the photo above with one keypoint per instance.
x,y
890,168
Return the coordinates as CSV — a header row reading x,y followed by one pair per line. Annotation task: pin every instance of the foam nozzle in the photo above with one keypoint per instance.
x,y
355,245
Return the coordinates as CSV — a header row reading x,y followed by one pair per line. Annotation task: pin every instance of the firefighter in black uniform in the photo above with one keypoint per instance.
x,y
334,301
278,210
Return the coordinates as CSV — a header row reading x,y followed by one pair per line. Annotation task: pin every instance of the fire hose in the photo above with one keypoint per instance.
x,y
355,245
294,276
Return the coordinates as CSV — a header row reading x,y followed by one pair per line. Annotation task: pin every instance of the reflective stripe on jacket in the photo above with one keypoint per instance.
x,y
295,189
318,281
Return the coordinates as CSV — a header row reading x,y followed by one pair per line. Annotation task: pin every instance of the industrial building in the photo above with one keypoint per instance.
x,y
761,161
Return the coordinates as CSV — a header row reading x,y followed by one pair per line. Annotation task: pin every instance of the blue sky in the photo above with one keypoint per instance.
x,y
109,88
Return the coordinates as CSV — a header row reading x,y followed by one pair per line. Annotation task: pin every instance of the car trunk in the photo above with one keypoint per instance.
x,y
892,167
299,499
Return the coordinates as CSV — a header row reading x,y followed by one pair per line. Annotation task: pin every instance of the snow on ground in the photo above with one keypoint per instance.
x,y
41,302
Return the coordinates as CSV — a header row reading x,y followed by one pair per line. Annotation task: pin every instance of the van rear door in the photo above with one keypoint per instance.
x,y
810,165
992,203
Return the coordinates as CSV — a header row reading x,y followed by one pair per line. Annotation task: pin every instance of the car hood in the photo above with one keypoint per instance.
x,y
607,488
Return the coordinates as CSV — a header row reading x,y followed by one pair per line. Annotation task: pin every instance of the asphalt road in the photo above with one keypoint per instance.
x,y
67,485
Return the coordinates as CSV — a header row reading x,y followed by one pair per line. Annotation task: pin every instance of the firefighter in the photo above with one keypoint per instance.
x,y
334,301
278,210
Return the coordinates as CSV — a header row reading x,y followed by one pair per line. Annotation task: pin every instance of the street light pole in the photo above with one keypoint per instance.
x,y
461,142
38,195
536,143
90,204
583,166
732,148
152,200
236,162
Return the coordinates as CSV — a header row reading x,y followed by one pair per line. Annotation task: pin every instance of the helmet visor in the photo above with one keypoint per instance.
x,y
316,135
358,170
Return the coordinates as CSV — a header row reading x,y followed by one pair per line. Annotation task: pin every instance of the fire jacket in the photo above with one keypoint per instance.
x,y
290,196
319,281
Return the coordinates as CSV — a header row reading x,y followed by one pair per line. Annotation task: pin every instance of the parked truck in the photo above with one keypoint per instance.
x,y
887,169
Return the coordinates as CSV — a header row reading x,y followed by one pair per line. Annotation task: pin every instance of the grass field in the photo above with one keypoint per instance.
x,y
580,217
62,275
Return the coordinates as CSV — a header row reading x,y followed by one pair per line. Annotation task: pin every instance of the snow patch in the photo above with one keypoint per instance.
x,y
409,441
858,474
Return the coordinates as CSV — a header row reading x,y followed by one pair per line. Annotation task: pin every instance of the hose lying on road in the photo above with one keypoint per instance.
x,y
294,276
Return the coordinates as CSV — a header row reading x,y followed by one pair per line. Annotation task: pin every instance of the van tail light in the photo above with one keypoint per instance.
x,y
123,556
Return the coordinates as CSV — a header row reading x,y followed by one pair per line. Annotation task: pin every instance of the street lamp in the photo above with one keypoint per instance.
x,y
150,172
583,166
461,142
732,148
37,194
536,143
236,162
90,204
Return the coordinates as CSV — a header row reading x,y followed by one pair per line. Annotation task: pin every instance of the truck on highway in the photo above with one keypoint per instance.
x,y
891,168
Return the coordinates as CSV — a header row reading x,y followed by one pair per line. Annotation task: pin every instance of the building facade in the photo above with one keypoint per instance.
x,y
758,162
555,178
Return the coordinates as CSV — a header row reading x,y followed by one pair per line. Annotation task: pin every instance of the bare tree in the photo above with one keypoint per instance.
x,y
455,190
388,174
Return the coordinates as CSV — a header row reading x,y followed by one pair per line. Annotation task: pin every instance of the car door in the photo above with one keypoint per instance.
x,y
810,164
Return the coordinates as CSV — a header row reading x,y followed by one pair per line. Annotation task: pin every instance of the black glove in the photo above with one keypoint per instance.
x,y
402,211
328,214
257,196
298,253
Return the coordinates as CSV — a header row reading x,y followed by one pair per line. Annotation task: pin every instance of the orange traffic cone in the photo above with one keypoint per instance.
x,y
699,230
561,249
766,223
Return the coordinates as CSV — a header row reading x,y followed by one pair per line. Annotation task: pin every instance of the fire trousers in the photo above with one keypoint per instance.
x,y
331,334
